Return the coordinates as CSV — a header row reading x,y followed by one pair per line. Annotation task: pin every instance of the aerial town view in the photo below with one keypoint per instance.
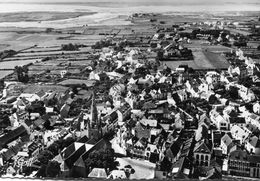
x,y
130,89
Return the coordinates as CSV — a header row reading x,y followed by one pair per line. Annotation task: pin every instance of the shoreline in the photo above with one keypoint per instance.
x,y
40,16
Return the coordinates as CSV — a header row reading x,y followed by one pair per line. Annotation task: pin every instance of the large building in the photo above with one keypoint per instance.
x,y
242,164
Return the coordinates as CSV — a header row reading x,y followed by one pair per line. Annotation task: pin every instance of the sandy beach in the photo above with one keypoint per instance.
x,y
40,16
92,14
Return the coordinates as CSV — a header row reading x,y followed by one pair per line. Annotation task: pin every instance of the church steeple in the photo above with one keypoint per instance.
x,y
94,112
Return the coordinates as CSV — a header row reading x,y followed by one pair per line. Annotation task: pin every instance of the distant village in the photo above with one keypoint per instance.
x,y
133,113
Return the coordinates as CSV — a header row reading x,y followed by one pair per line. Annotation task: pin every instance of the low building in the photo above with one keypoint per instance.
x,y
252,145
227,145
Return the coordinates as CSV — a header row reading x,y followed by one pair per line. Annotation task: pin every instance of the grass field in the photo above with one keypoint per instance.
x,y
217,60
4,73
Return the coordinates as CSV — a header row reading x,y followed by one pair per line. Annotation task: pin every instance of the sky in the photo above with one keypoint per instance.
x,y
177,2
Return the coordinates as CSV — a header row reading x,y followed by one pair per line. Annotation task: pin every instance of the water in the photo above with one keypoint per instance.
x,y
112,9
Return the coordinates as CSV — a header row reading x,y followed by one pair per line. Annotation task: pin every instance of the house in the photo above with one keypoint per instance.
x,y
204,120
29,97
240,133
227,145
21,103
10,170
151,122
182,167
139,149
124,112
256,108
220,121
252,145
173,152
239,121
254,120
33,149
64,110
12,151
242,164
12,135
73,152
98,173
142,131
79,169
117,174
202,153
245,93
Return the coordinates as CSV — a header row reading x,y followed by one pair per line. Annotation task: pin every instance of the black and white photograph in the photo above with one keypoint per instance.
x,y
129,89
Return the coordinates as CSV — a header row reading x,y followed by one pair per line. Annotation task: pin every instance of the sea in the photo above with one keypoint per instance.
x,y
109,10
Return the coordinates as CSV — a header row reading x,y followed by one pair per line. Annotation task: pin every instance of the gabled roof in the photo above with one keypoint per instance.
x,y
202,147
73,152
251,127
254,141
64,166
240,132
186,147
254,158
226,139
98,173
150,122
40,93
38,122
204,119
166,127
12,135
80,163
152,147
174,149
124,108
12,151
237,120
32,147
58,158
83,139
141,142
254,116
238,155
117,174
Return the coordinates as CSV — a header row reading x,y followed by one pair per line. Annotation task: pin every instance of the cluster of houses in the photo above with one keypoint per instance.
x,y
160,123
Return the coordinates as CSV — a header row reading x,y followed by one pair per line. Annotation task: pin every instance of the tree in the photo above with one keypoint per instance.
x,y
42,171
129,170
2,84
7,53
166,164
54,148
70,47
104,158
22,73
37,107
53,169
45,156
67,142
233,92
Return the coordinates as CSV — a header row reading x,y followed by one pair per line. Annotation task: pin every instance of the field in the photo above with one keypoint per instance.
x,y
4,73
12,64
202,60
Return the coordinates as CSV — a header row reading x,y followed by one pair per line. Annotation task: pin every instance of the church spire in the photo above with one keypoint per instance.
x,y
94,112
